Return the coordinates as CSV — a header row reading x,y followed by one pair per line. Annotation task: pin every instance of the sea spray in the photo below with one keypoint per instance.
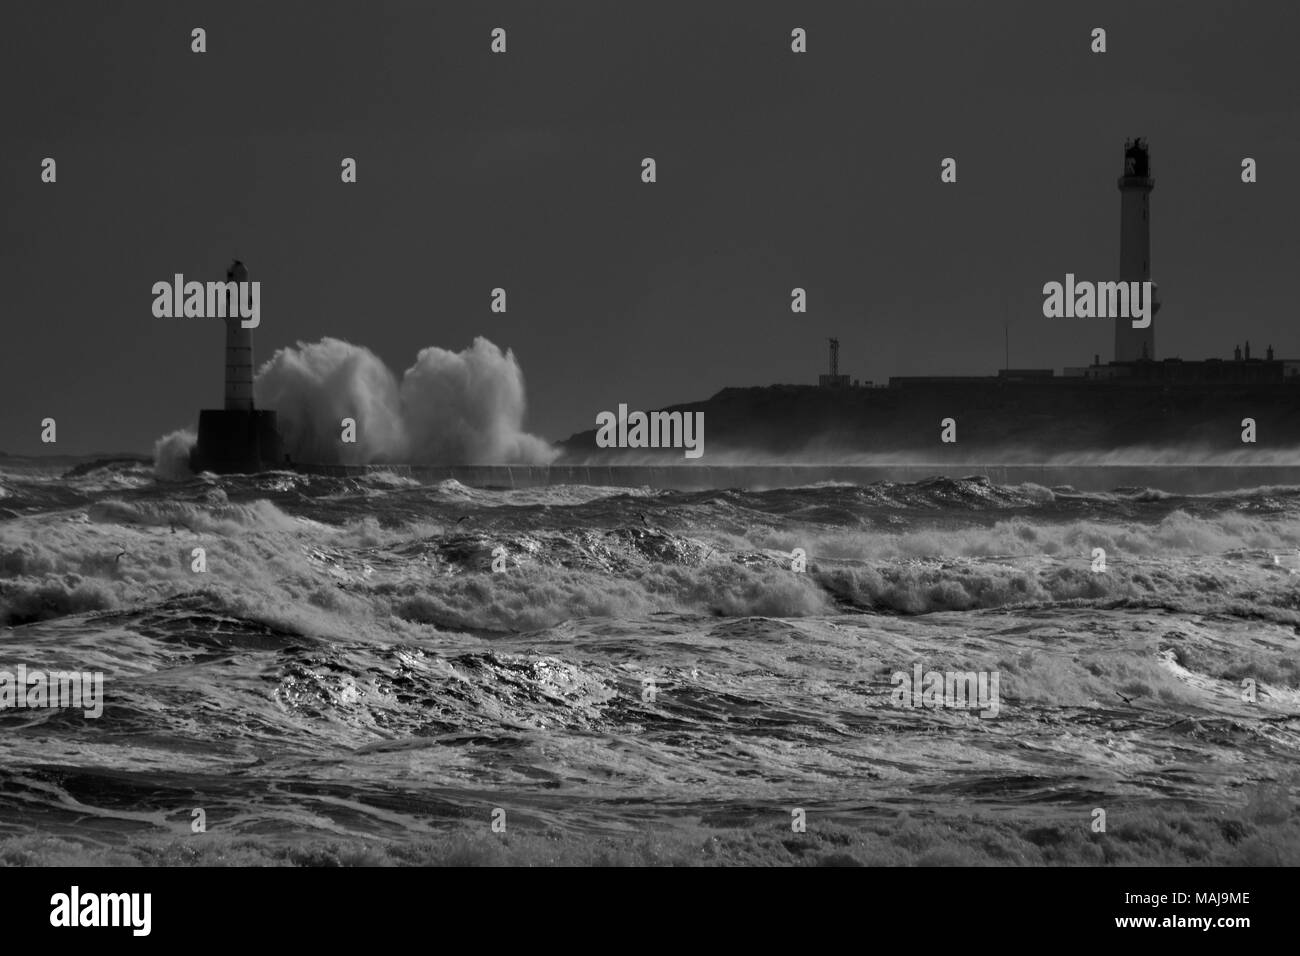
x,y
448,408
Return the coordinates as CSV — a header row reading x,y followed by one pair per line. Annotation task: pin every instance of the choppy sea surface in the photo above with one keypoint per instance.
x,y
375,661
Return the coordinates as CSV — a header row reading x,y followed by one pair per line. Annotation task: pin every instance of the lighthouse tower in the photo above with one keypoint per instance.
x,y
239,349
1133,345
238,437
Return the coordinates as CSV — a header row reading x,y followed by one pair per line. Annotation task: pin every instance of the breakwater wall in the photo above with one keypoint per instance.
x,y
1181,479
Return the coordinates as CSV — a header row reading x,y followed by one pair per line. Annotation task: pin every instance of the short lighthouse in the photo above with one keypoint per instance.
x,y
238,437
239,351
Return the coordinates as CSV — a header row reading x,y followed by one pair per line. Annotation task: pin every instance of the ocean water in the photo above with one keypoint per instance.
x,y
644,676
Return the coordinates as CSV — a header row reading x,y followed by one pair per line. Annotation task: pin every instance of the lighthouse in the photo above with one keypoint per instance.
x,y
237,438
239,350
1133,345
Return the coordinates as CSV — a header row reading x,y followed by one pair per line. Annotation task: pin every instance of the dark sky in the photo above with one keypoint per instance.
x,y
523,170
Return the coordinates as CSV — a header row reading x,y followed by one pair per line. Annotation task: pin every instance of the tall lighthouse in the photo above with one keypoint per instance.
x,y
1132,345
